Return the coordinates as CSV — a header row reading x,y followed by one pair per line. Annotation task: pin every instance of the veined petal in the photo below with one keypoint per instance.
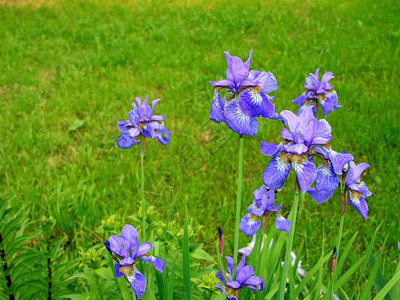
x,y
281,223
326,178
298,149
126,141
255,283
300,100
158,263
223,83
255,210
322,132
305,171
278,169
116,246
127,261
238,122
219,276
268,202
268,149
144,248
320,196
122,125
134,116
291,120
130,238
137,282
234,284
249,224
250,102
244,273
267,109
149,130
217,110
357,201
157,118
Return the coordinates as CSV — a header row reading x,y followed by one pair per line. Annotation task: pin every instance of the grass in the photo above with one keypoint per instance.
x,y
70,70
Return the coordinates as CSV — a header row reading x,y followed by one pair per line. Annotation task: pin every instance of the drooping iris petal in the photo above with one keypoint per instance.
x,y
268,149
238,122
320,196
217,108
250,102
281,223
277,170
326,178
255,283
117,267
125,141
268,201
157,262
234,284
356,171
358,202
249,224
137,282
305,171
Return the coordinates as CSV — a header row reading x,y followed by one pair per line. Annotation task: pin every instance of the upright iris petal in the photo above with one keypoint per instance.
x,y
142,122
320,92
244,278
247,97
263,203
127,251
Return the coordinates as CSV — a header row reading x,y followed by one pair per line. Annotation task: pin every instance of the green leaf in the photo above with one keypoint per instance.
x,y
343,255
201,254
372,275
171,283
383,292
313,270
104,273
342,279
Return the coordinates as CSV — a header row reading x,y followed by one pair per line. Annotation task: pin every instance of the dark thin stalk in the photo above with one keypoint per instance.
x,y
5,268
49,270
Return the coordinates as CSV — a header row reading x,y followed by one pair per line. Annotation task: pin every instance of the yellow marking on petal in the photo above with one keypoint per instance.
x,y
254,218
297,159
255,89
321,97
127,270
283,156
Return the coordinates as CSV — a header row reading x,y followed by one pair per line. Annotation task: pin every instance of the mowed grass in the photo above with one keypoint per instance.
x,y
70,70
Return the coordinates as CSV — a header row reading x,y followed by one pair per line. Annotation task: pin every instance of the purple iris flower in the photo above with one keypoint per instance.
x,y
128,251
304,133
248,97
263,203
356,189
244,278
326,181
320,92
142,122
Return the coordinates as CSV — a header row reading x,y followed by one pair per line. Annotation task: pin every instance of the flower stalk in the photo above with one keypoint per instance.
x,y
142,148
293,216
238,204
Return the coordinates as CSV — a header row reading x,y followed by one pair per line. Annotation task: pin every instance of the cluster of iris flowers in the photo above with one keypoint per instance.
x,y
304,139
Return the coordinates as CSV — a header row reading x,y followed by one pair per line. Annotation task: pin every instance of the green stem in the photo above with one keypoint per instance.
x,y
331,282
221,266
238,204
339,235
293,216
142,147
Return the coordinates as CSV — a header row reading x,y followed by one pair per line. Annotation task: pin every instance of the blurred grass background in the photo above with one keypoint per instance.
x,y
70,69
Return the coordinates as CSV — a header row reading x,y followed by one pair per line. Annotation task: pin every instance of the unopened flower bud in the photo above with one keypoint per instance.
x,y
221,241
333,261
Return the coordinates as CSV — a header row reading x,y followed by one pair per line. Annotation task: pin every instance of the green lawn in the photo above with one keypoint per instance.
x,y
70,70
